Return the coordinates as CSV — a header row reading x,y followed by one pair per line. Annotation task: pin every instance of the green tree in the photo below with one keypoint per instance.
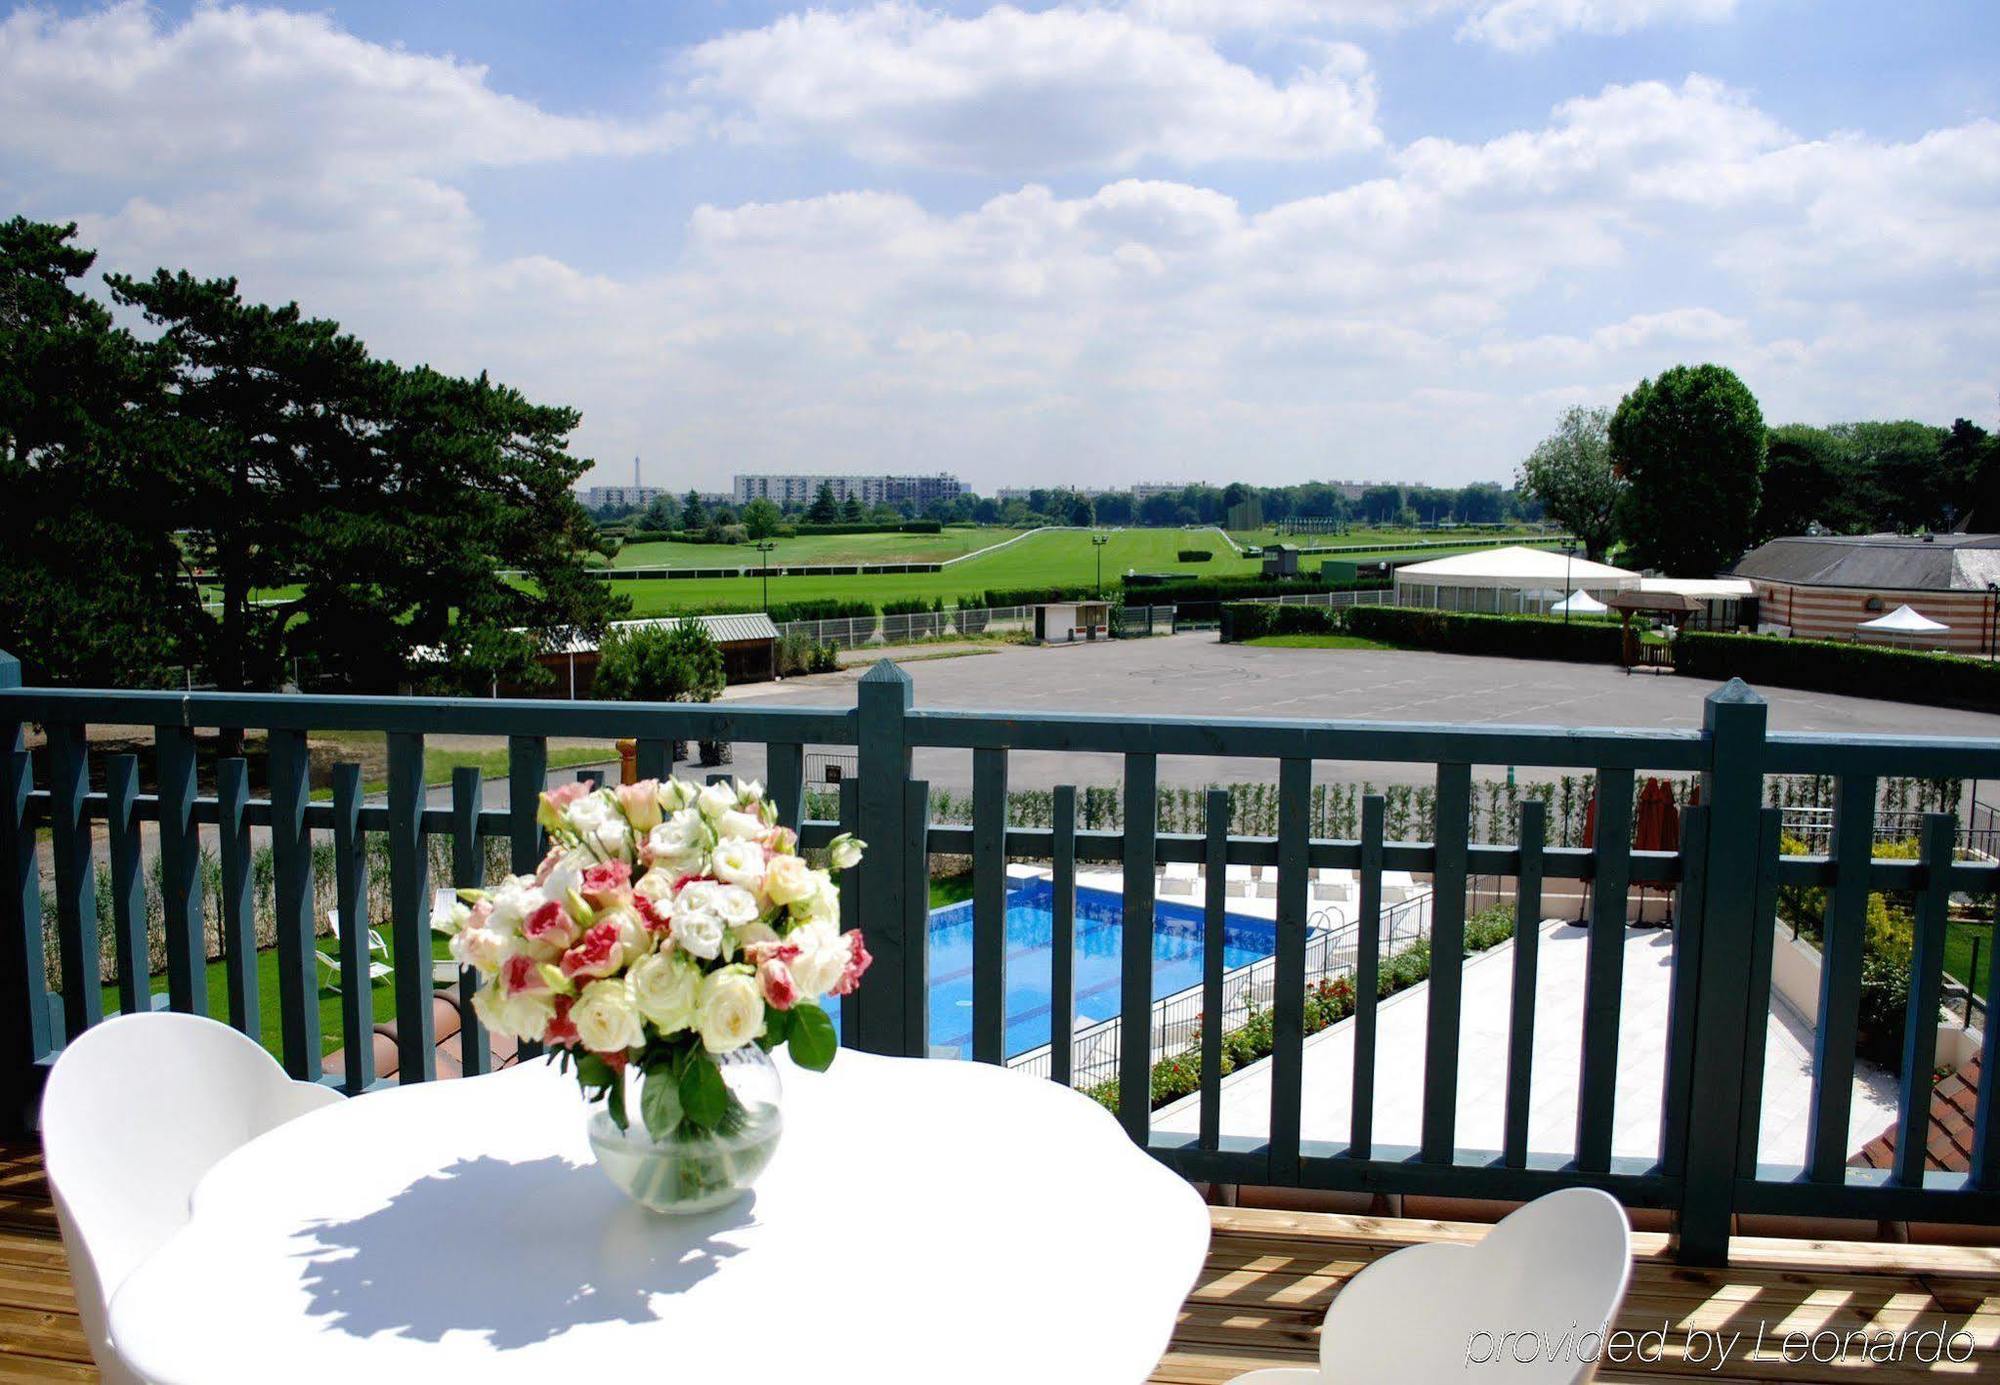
x,y
1810,477
1898,476
1080,512
1569,475
1380,504
761,519
663,515
659,661
1690,446
1479,503
1962,456
850,510
825,509
694,514
92,586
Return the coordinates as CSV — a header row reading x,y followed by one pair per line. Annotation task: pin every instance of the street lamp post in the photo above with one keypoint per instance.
x,y
764,547
1993,624
1097,541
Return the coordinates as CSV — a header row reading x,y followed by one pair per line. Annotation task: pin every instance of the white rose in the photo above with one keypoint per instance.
x,y
821,960
823,904
698,932
607,1017
524,1015
587,814
680,844
732,1011
667,992
632,934
715,800
613,840
788,879
676,794
735,905
482,949
752,792
845,851
750,934
739,862
513,900
567,874
744,826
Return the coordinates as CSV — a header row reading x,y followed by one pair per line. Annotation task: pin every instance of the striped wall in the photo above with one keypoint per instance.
x,y
1832,613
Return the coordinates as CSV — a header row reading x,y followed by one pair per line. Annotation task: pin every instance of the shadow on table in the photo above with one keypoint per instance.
x,y
521,1252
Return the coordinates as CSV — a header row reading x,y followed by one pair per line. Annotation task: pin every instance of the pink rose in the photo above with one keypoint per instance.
x,y
550,926
858,962
599,953
565,794
482,913
654,920
519,975
774,978
606,882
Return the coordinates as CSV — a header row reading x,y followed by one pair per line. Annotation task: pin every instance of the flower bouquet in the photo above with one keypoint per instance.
x,y
670,938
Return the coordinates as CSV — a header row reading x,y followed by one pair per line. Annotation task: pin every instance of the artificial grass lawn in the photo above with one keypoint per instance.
x,y
370,750
818,548
1316,642
270,1022
1958,953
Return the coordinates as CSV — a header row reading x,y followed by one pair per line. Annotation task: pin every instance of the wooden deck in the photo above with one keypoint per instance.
x,y
1269,1278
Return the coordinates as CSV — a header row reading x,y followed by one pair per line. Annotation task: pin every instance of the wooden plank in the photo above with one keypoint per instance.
x,y
291,848
785,781
1604,974
1763,943
409,910
1062,938
1913,1109
989,905
1447,975
655,758
128,884
1532,834
1844,940
1367,977
1135,954
1288,972
25,1022
76,877
468,872
350,888
1214,908
850,911
1690,905
180,871
239,920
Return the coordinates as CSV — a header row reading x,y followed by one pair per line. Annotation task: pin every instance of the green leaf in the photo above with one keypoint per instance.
x,y
617,1107
703,1097
777,1026
660,1104
813,1041
593,1071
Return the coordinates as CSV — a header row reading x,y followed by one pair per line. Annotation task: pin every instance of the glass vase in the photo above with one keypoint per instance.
x,y
694,1170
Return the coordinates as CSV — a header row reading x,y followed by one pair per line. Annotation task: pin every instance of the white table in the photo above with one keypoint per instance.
x,y
922,1221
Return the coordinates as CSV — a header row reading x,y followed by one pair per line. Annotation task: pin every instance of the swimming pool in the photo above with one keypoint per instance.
x,y
1177,960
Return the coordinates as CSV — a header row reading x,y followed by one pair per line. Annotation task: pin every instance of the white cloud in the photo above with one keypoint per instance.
x,y
1012,91
230,90
1510,25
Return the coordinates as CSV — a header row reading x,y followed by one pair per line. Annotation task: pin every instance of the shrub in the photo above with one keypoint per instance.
x,y
823,608
913,606
1249,620
1195,555
799,654
970,617
1834,666
1459,632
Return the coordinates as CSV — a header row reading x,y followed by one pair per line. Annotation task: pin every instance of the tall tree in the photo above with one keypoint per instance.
x,y
694,514
761,518
1810,477
92,589
825,509
850,510
1962,457
663,515
1569,475
1690,446
1380,504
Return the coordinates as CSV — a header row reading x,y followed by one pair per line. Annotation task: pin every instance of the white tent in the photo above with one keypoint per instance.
x,y
1904,626
1505,579
1580,603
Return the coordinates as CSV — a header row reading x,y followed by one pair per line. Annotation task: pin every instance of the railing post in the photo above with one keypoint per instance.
x,y
25,1038
883,762
1734,720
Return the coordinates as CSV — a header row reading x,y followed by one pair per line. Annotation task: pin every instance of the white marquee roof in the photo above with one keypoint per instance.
x,y
1904,621
1517,567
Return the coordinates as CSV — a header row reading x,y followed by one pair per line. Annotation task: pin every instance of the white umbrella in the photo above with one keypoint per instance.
x,y
1581,603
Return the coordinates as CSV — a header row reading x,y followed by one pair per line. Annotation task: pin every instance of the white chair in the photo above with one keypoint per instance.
x,y
1435,1313
378,969
136,1110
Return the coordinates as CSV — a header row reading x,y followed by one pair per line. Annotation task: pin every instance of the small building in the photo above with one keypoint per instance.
x,y
1281,560
1507,580
749,645
1066,622
1824,587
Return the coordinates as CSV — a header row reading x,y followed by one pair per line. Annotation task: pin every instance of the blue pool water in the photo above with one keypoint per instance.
x,y
1177,960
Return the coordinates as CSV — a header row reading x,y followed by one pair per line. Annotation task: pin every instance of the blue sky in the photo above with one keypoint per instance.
x,y
1138,239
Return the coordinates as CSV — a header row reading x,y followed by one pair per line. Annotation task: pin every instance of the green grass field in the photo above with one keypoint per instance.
x,y
818,548
1958,938
1316,642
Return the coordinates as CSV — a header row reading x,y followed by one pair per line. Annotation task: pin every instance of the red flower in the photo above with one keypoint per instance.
x,y
858,962
649,914
519,975
774,978
599,953
560,1030
605,881
550,924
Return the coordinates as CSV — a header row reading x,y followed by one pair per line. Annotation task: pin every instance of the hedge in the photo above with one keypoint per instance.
x,y
907,526
1833,666
1458,632
1196,555
825,608
1249,620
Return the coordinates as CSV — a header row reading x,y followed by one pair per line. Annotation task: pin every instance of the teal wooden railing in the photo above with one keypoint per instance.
x,y
1726,874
